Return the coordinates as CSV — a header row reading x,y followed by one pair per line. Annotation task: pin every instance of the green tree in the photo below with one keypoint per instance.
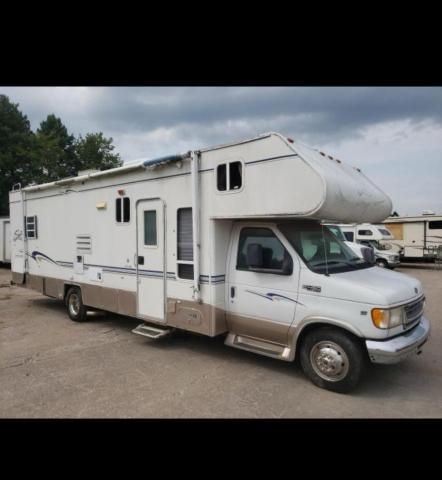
x,y
56,150
18,159
96,151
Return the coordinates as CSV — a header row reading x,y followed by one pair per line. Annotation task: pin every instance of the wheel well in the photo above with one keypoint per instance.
x,y
67,287
314,326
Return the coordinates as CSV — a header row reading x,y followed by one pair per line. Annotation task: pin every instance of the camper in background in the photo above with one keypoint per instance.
x,y
418,237
378,238
225,241
5,240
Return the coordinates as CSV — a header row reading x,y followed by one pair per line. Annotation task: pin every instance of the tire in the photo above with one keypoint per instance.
x,y
74,303
321,352
381,263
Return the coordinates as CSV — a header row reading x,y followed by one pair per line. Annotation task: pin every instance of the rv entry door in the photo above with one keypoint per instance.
x,y
150,260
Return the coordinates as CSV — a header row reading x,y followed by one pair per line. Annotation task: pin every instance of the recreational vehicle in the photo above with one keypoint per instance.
x,y
225,241
419,236
5,241
378,238
358,249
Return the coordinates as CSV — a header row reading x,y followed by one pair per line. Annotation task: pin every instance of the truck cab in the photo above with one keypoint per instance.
x,y
294,288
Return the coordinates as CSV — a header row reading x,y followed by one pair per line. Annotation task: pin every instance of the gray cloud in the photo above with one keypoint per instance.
x,y
382,129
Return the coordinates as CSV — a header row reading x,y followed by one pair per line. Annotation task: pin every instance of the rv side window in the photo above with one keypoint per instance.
x,y
122,210
229,176
31,227
150,228
184,243
221,177
435,225
273,254
368,233
348,236
235,175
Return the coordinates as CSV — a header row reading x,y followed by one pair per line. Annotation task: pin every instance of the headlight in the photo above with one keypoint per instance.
x,y
392,258
387,318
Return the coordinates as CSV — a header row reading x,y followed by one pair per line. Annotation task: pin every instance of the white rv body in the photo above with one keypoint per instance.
x,y
5,240
178,268
418,237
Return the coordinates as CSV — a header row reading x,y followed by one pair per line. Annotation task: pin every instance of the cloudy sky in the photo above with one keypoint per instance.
x,y
393,134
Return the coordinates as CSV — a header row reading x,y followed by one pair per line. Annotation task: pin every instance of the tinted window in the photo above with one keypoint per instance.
x,y
118,209
235,172
384,231
126,210
435,225
150,228
365,232
349,236
272,249
221,177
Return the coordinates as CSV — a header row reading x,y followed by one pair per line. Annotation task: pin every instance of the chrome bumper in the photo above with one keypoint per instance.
x,y
401,347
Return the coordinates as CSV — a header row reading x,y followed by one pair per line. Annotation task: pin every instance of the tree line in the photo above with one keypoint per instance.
x,y
49,154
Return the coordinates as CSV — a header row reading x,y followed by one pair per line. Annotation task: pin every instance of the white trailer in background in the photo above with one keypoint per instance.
x,y
225,241
5,240
418,237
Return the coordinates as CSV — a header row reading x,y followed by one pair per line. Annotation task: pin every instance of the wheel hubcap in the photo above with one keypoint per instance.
x,y
329,361
74,304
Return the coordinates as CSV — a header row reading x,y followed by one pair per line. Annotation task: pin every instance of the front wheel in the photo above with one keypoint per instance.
x,y
74,304
381,263
332,359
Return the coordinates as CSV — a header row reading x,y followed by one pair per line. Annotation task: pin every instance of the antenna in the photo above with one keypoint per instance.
x,y
325,251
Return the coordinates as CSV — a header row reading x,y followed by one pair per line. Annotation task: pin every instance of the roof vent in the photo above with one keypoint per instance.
x,y
428,212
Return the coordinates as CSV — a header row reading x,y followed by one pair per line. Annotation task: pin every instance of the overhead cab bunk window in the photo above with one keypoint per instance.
x,y
122,210
229,176
31,227
184,244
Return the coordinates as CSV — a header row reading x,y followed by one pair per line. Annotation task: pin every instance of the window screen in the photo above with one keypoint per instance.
x,y
273,250
185,243
435,225
31,227
150,228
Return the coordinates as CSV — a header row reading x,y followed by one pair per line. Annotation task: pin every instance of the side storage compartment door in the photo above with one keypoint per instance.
x,y
150,261
261,302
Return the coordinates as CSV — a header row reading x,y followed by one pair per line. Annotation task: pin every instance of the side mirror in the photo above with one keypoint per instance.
x,y
368,255
255,257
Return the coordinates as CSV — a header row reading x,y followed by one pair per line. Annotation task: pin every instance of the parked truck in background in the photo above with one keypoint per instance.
x,y
5,240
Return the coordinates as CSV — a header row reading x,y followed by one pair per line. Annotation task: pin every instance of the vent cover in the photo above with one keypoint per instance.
x,y
84,244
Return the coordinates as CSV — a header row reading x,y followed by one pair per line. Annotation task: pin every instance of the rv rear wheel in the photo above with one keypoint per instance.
x,y
332,359
74,304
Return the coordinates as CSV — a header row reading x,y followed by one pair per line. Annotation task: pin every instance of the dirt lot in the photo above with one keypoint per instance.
x,y
53,367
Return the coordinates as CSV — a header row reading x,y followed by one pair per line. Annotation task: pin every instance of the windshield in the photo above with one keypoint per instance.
x,y
321,250
337,232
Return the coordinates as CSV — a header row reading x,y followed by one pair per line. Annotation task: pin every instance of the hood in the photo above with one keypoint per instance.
x,y
376,286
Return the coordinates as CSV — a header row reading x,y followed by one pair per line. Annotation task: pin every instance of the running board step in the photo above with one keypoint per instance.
x,y
261,347
151,332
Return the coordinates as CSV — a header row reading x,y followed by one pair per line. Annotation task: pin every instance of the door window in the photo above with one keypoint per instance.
x,y
274,257
150,228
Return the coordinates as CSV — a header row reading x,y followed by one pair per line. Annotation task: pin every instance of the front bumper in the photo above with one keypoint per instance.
x,y
400,347
394,263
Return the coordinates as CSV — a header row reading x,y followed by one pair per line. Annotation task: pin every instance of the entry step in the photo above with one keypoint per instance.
x,y
151,332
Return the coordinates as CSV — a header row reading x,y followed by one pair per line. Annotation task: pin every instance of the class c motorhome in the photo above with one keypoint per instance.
x,y
5,240
225,241
419,237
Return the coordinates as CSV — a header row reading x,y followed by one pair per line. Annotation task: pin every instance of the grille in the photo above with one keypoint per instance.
x,y
84,244
413,311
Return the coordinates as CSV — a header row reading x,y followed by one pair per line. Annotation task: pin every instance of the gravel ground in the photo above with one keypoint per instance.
x,y
53,367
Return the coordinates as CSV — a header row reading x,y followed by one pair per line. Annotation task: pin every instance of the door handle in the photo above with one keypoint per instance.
x,y
232,292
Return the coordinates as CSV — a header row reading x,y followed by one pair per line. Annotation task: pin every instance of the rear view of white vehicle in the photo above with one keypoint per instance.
x,y
228,241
